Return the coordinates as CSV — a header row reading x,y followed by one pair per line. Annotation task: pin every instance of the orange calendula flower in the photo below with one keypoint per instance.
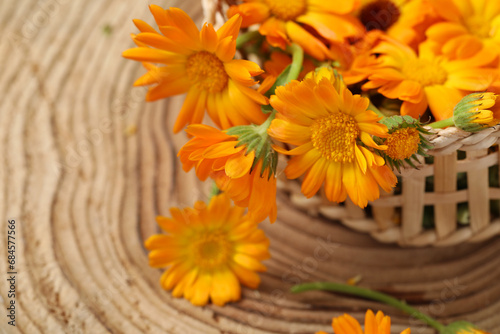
x,y
235,170
427,79
201,64
285,21
209,251
328,123
467,26
374,324
403,20
354,58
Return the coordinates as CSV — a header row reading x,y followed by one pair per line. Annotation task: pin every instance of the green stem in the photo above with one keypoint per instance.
x,y
264,126
297,60
246,37
443,123
369,294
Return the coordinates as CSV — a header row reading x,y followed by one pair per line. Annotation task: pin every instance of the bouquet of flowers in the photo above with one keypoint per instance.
x,y
347,94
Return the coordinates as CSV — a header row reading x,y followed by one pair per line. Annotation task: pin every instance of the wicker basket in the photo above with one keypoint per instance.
x,y
398,218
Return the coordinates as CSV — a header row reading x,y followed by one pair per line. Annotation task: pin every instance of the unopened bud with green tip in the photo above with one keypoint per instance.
x,y
473,113
462,327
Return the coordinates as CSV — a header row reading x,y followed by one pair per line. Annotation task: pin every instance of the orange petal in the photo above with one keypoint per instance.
x,y
199,292
238,100
173,275
275,32
248,262
342,7
442,100
332,27
159,241
178,18
208,37
239,165
226,49
230,28
159,258
414,110
225,287
159,14
143,26
194,102
168,88
371,325
447,9
251,13
153,56
242,71
161,42
472,79
222,150
289,132
178,35
185,283
307,41
207,131
246,276
303,149
314,178
346,324
385,177
334,188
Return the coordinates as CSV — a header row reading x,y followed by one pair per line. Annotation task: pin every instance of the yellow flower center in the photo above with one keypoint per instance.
x,y
425,72
379,14
478,25
205,69
335,137
211,250
287,9
402,143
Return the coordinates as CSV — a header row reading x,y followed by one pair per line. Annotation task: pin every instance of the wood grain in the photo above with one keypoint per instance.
x,y
86,165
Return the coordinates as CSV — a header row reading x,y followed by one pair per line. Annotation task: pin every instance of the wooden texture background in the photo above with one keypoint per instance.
x,y
86,165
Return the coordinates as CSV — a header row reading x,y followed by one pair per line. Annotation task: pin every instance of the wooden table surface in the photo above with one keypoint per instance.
x,y
86,165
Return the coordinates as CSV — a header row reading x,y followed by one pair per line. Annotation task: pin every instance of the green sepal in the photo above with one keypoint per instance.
x,y
256,139
238,130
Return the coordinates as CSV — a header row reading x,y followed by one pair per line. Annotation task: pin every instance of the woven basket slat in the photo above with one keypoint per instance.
x,y
413,207
445,181
456,197
384,216
479,204
478,163
489,232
